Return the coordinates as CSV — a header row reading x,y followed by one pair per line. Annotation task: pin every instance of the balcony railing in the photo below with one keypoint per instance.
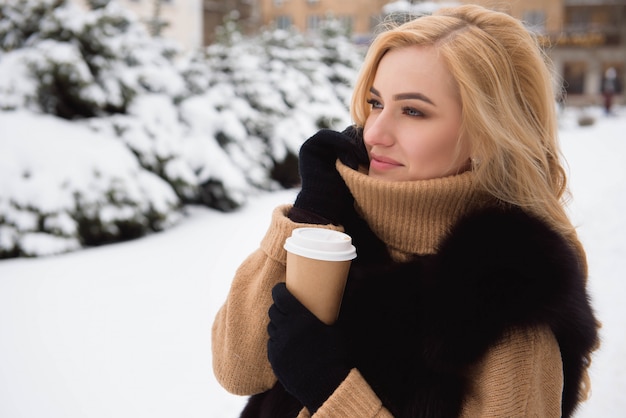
x,y
594,2
586,35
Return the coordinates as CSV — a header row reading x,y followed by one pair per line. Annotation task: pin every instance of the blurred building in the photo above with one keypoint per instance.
x,y
180,20
360,16
247,14
584,38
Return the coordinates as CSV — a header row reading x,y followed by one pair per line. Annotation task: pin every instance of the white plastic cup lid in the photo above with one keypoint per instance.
x,y
321,244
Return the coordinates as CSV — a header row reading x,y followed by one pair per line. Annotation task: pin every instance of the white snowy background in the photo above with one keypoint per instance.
x,y
123,331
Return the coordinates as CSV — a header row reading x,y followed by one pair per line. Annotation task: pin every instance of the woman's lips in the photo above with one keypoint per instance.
x,y
378,162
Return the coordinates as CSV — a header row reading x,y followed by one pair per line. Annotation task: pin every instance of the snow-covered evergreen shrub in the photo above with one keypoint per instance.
x,y
210,128
64,187
167,141
274,90
87,63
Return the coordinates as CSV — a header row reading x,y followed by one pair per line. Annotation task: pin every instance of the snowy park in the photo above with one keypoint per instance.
x,y
129,197
123,330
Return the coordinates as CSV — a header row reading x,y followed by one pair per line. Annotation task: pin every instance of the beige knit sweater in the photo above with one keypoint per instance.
x,y
521,376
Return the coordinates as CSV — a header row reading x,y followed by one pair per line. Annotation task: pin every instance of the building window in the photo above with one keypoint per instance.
x,y
283,22
574,77
347,22
577,18
535,20
313,22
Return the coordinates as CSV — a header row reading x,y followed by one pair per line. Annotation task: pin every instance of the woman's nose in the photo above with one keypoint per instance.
x,y
378,130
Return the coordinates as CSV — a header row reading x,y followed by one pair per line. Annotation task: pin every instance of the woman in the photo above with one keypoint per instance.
x,y
468,296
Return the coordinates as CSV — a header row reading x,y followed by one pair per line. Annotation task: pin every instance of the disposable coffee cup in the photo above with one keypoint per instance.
x,y
318,261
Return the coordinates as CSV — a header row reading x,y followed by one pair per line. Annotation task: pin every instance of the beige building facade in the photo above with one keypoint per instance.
x,y
360,16
183,17
247,13
584,38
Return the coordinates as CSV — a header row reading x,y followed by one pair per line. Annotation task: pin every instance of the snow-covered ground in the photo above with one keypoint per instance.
x,y
124,330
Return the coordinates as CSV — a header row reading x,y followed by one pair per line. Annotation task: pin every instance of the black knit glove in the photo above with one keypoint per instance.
x,y
324,193
308,357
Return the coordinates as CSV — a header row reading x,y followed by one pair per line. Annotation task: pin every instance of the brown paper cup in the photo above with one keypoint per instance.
x,y
318,261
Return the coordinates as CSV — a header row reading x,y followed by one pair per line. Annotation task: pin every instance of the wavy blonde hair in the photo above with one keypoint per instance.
x,y
507,94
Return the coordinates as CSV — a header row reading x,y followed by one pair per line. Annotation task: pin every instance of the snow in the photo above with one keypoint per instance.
x,y
210,126
49,166
124,330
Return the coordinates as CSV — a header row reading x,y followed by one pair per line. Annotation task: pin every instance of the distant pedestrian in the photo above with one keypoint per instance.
x,y
609,88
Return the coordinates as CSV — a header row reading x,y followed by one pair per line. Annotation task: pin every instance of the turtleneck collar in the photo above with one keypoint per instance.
x,y
412,217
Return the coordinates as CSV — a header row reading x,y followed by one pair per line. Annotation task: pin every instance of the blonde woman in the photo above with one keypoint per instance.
x,y
468,296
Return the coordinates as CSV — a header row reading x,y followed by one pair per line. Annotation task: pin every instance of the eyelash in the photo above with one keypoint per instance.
x,y
374,103
409,111
406,110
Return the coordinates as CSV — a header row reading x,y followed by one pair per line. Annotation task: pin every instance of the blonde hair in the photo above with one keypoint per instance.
x,y
509,113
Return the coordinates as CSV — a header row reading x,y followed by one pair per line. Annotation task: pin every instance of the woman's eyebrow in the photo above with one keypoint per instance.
x,y
406,96
413,96
374,91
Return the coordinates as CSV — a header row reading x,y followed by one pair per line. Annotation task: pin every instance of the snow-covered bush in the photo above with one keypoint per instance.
x,y
64,187
270,92
211,127
169,140
86,63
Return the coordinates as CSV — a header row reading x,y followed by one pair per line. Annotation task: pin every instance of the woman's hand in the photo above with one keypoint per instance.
x,y
324,192
308,357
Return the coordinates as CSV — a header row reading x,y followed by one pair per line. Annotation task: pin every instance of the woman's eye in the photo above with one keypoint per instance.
x,y
409,111
375,104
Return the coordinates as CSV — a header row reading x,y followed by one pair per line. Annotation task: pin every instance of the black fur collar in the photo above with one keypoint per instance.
x,y
416,326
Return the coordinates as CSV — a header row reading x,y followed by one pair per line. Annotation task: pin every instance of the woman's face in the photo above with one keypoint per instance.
x,y
413,129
